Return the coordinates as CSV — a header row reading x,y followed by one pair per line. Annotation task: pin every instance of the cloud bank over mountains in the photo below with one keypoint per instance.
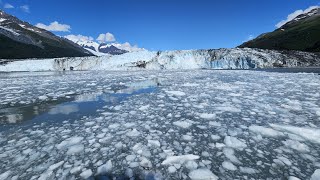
x,y
55,26
25,8
107,38
103,38
295,14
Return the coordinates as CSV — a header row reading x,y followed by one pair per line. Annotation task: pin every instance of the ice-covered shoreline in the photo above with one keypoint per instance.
x,y
236,58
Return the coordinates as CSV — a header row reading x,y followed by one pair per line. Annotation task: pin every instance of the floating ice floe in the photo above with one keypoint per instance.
x,y
202,174
309,134
316,175
267,132
207,116
234,142
133,133
183,124
296,145
69,142
179,159
229,166
176,93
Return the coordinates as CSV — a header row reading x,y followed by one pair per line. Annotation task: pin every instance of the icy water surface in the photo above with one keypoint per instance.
x,y
160,125
72,106
293,70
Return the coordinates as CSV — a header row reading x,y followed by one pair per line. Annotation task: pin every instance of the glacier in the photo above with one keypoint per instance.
x,y
236,58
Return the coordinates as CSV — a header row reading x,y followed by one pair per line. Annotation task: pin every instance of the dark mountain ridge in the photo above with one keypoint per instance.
x,y
301,34
19,40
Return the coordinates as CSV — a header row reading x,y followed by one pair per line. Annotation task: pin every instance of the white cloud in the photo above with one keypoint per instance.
x,y
128,47
80,39
249,38
76,38
294,15
55,26
25,8
108,37
64,109
8,6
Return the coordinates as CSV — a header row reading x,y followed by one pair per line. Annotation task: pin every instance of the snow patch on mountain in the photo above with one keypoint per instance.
x,y
96,53
127,46
84,41
10,30
2,19
88,42
299,14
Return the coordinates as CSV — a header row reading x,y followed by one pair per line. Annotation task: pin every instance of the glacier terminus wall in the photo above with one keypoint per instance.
x,y
237,58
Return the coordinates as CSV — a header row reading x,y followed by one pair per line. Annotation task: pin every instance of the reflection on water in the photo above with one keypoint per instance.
x,y
74,107
40,73
64,109
14,118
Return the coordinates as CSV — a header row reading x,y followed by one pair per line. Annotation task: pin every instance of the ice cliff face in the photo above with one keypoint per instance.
x,y
216,59
237,58
234,59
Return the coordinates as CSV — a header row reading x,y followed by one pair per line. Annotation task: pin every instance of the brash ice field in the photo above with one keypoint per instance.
x,y
195,124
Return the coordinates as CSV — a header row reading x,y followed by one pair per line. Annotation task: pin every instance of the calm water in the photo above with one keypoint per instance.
x,y
68,108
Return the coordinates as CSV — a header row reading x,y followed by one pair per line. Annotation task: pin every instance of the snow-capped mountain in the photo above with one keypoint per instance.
x,y
127,47
89,45
96,48
111,49
301,33
100,49
308,15
20,39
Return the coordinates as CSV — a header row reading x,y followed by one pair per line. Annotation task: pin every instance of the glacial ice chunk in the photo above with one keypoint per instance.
x,y
145,163
183,124
207,116
296,145
267,132
5,175
229,166
248,170
229,153
179,159
86,174
191,165
215,137
133,133
172,169
235,143
155,143
202,174
176,93
75,149
69,142
104,169
316,175
310,134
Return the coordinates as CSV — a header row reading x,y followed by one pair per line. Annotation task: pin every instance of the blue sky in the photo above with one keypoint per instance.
x,y
161,24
